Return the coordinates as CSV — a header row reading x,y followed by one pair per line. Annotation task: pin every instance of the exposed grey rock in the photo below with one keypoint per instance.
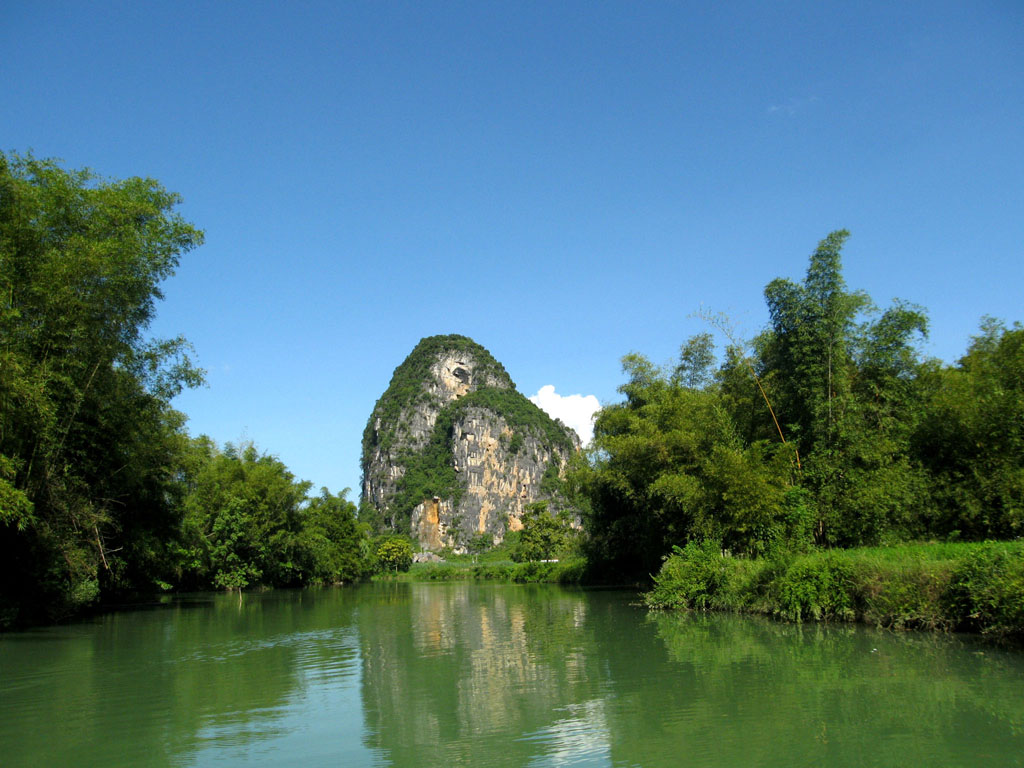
x,y
426,557
503,452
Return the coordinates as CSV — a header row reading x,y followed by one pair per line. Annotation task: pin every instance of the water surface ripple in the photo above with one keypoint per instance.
x,y
495,675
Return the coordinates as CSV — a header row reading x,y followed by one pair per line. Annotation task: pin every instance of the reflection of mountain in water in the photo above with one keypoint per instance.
x,y
512,662
512,676
493,675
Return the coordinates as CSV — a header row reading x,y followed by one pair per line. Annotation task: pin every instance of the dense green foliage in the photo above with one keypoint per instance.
x,y
970,438
979,587
829,430
88,441
573,571
668,467
102,493
394,553
248,522
841,377
333,545
545,535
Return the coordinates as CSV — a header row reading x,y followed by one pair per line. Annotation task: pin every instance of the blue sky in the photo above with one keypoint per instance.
x,y
563,182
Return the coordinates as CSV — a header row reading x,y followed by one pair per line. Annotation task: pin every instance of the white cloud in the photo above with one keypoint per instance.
x,y
792,106
577,411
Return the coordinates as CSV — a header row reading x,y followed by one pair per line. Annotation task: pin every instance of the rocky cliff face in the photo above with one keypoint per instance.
x,y
452,450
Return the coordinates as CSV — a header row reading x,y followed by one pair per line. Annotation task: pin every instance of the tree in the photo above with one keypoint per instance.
x,y
331,540
669,466
971,437
87,435
811,329
544,536
843,390
243,519
479,544
642,480
394,552
696,360
802,436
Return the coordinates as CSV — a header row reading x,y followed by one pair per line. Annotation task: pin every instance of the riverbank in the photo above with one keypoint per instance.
x,y
552,572
976,587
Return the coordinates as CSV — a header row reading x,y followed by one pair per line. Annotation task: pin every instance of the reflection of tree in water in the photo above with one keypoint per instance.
x,y
499,675
745,691
209,674
505,677
458,673
263,653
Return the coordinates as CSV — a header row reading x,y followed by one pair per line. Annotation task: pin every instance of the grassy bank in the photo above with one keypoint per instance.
x,y
972,587
565,572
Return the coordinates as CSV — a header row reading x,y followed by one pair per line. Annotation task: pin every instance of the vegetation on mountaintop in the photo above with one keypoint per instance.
x,y
520,414
406,387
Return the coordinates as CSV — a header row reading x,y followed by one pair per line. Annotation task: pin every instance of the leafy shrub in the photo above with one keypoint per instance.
x,y
977,587
544,536
406,386
986,591
567,572
492,572
441,572
817,586
571,572
690,578
904,591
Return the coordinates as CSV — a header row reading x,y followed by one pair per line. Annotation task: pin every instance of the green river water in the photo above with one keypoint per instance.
x,y
495,675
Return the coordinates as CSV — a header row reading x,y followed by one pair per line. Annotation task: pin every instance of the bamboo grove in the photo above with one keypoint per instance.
x,y
828,430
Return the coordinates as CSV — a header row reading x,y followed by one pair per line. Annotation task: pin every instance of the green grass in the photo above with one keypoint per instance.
x,y
964,586
564,572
